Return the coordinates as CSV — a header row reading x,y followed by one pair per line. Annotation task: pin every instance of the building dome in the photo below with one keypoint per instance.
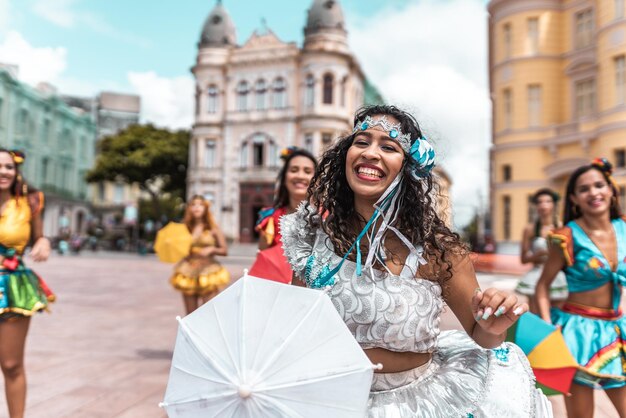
x,y
219,29
324,15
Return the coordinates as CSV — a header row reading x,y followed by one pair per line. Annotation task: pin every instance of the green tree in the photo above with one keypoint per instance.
x,y
154,158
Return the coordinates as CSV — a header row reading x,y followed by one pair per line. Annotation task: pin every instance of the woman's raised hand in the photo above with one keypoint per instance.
x,y
41,249
495,310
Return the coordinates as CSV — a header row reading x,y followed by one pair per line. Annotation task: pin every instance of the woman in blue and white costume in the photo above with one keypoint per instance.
x,y
370,237
591,250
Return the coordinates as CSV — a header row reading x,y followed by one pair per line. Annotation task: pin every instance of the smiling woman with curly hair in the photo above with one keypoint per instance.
x,y
370,237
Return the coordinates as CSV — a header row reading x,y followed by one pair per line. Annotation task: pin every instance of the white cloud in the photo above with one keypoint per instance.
x,y
432,60
35,64
166,102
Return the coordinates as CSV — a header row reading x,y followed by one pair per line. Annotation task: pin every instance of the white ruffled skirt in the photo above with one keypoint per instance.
x,y
463,380
528,283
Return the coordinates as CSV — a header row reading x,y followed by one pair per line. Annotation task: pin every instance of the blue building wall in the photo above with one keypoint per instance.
x,y
59,143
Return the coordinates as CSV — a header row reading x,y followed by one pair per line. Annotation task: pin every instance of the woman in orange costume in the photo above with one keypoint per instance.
x,y
199,276
22,292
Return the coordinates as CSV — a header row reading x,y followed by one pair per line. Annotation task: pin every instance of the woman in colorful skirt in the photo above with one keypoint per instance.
x,y
371,239
591,250
199,276
535,249
22,292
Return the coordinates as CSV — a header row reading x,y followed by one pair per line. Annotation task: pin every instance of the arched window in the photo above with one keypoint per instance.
x,y
212,95
258,150
242,96
344,82
309,91
328,89
279,93
260,90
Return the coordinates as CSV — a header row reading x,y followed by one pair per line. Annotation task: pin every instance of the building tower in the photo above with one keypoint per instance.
x,y
254,99
558,87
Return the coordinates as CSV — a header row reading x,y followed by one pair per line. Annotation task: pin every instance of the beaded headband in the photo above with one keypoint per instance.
x,y
421,151
393,129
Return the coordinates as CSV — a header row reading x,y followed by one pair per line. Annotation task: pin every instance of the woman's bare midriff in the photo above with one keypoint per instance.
x,y
602,297
395,362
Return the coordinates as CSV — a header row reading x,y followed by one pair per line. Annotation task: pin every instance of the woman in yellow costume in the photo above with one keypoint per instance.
x,y
199,276
22,292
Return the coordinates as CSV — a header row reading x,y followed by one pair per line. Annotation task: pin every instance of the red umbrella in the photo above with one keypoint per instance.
x,y
271,264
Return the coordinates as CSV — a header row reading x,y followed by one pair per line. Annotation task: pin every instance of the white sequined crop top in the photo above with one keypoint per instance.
x,y
397,313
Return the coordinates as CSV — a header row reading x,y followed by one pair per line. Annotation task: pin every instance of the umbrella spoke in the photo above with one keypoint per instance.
x,y
310,349
267,324
287,342
281,407
223,335
309,401
309,380
203,377
189,334
222,395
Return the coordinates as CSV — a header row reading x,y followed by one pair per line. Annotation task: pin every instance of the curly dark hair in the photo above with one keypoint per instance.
x,y
282,194
417,216
570,212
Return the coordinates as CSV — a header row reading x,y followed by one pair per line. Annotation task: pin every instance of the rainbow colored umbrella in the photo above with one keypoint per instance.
x,y
548,355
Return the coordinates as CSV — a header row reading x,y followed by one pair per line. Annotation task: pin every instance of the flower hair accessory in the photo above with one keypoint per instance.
x,y
603,164
607,168
421,150
423,154
18,156
286,152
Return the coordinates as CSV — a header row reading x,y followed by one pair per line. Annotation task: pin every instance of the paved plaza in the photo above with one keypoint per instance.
x,y
105,349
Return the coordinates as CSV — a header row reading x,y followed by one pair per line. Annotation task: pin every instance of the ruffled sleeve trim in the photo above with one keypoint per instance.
x,y
562,237
298,238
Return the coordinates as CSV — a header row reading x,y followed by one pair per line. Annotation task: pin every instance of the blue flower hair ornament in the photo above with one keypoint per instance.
x,y
423,155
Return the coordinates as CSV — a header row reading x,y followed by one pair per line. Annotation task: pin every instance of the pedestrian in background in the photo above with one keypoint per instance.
x,y
292,185
534,249
591,250
199,276
373,194
22,292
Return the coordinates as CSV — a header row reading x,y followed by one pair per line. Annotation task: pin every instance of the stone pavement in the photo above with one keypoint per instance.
x,y
105,349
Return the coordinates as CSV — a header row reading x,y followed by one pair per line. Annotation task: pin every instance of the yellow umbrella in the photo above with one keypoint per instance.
x,y
173,242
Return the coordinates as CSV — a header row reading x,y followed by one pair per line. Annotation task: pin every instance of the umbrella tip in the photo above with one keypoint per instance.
x,y
244,391
178,318
245,272
377,366
161,404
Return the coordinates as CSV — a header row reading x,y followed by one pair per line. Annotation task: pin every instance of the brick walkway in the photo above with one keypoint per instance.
x,y
105,349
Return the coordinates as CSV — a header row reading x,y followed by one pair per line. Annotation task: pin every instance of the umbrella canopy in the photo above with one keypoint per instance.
x,y
263,349
272,264
548,355
173,242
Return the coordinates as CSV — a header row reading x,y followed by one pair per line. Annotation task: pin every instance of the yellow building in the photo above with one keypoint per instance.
x,y
558,86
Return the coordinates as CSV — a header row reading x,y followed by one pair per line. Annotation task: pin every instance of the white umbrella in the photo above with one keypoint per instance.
x,y
266,349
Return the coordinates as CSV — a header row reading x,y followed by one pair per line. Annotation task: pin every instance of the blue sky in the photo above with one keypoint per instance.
x,y
428,56
106,39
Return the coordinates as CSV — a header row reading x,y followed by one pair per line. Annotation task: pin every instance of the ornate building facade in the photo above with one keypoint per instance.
x,y
558,87
254,99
